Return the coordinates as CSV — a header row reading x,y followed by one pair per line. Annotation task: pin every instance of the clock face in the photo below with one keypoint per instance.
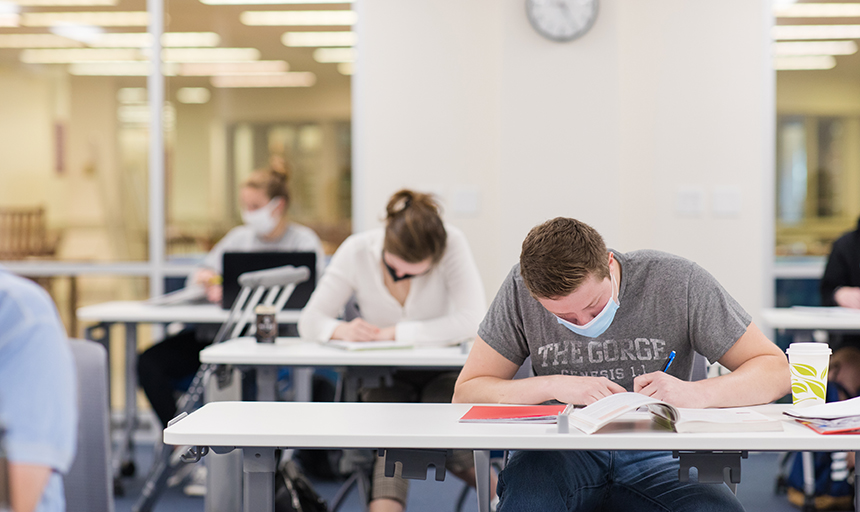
x,y
561,20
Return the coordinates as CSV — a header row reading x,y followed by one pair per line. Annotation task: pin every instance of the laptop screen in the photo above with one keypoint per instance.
x,y
237,263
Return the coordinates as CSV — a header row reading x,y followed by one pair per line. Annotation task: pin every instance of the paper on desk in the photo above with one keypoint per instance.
x,y
368,345
187,295
828,411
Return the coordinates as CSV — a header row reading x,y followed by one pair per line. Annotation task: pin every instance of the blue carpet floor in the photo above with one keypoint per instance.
x,y
756,491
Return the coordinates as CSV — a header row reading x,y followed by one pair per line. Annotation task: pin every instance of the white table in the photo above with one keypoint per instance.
x,y
365,368
257,428
366,365
810,319
132,313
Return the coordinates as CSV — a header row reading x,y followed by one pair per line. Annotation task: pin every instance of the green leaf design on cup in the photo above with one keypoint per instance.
x,y
824,374
803,369
798,388
817,389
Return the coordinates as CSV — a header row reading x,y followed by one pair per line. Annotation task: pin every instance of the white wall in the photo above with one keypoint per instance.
x,y
464,96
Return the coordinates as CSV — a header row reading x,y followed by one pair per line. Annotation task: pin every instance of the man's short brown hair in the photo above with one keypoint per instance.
x,y
559,255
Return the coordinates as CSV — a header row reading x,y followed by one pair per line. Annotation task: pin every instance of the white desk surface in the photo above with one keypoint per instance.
x,y
295,352
436,426
812,318
142,312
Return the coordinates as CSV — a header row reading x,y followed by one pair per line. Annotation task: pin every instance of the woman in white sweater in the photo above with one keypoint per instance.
x,y
414,281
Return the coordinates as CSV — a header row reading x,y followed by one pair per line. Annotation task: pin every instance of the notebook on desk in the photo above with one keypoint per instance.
x,y
237,263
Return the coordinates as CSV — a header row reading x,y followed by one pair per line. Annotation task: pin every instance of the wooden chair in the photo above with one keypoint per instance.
x,y
24,234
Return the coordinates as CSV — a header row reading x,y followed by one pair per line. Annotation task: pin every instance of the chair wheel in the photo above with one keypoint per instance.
x,y
127,468
118,488
781,486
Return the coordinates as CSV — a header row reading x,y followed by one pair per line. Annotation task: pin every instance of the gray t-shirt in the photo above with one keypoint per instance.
x,y
665,303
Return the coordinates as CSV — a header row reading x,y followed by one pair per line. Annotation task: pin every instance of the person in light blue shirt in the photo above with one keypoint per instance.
x,y
38,401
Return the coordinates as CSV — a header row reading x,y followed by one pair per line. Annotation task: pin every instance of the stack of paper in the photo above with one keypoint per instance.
x,y
832,418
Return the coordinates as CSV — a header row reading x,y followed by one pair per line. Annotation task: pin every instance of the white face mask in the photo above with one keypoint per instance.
x,y
261,221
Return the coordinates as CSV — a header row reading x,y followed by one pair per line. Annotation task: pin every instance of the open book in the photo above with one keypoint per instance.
x,y
740,419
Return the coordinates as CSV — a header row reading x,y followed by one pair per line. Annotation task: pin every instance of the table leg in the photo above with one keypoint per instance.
x,y
123,457
482,479
267,379
259,464
303,378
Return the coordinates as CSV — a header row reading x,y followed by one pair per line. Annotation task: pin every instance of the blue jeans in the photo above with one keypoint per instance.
x,y
584,481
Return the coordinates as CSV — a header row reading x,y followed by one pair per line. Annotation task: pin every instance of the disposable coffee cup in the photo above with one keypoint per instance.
x,y
809,363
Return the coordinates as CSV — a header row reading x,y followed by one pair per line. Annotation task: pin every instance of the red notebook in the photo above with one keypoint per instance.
x,y
513,413
825,429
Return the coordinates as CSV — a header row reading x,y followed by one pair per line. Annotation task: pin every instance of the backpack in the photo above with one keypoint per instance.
x,y
833,480
294,492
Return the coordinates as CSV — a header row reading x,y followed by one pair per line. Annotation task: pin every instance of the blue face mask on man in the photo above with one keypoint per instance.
x,y
599,323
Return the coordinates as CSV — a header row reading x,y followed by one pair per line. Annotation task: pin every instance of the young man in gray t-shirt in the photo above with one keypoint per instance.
x,y
596,322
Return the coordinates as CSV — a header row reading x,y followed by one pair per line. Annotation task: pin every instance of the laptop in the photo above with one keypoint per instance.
x,y
237,263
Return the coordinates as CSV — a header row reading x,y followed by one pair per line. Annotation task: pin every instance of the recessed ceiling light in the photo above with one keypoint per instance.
x,y
816,32
273,2
342,38
37,41
297,18
301,79
168,40
64,3
69,55
131,95
334,55
128,68
193,95
815,48
82,33
815,62
346,68
210,54
10,19
822,10
256,67
101,19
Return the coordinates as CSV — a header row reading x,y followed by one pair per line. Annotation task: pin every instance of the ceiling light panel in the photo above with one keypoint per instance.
x,y
298,18
258,67
817,62
65,3
193,95
807,32
342,38
822,10
69,55
10,19
100,19
334,55
168,40
210,54
815,48
37,41
126,68
301,79
274,2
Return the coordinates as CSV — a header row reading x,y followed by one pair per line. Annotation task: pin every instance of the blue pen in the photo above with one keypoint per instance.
x,y
668,361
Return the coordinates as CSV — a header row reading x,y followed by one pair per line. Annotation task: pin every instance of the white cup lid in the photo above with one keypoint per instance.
x,y
809,348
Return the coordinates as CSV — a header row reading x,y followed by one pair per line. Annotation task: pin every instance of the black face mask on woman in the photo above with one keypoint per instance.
x,y
393,272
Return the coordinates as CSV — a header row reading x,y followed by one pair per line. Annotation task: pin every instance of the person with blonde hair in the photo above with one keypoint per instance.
x,y
265,200
414,281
